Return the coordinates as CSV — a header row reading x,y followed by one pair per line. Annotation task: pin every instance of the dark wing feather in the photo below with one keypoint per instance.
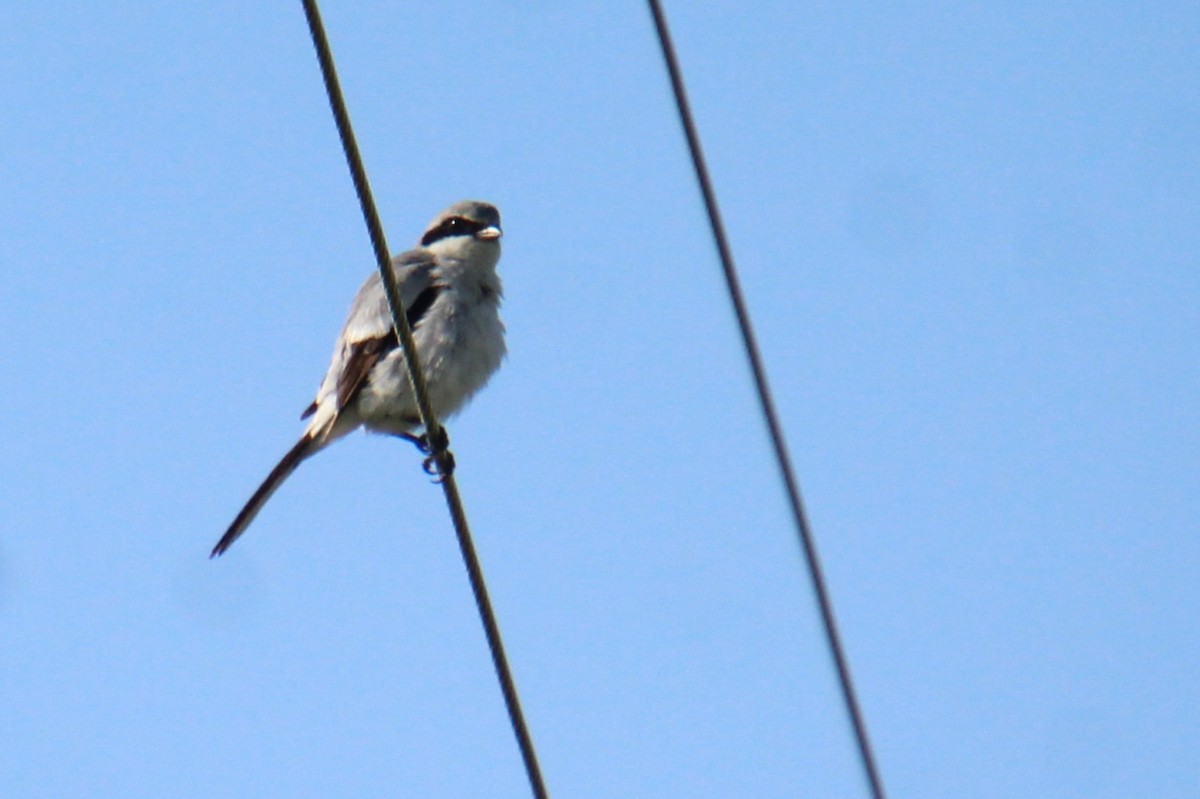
x,y
365,354
421,305
363,357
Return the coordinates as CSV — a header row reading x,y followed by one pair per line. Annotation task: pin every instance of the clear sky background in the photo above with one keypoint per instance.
x,y
968,236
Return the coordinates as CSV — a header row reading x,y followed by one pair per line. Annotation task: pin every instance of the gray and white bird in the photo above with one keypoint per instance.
x,y
451,295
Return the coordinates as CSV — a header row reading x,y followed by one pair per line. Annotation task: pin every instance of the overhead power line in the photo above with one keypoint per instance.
x,y
435,434
770,417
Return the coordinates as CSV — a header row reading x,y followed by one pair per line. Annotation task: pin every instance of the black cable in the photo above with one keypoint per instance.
x,y
803,529
438,441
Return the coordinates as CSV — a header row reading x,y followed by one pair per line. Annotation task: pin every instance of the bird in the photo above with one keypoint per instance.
x,y
451,295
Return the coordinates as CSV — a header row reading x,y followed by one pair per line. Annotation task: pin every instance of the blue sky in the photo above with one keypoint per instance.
x,y
968,237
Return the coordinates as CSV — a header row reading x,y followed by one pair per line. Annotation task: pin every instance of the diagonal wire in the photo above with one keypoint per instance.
x,y
771,418
434,431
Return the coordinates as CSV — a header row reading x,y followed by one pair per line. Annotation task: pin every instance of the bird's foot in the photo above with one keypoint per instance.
x,y
422,442
439,460
439,466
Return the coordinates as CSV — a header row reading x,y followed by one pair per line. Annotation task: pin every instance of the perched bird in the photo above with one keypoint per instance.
x,y
451,295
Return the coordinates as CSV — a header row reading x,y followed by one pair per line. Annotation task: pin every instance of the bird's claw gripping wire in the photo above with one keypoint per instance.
x,y
439,466
439,460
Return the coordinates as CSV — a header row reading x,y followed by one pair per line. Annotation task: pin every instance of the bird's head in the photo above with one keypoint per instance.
x,y
465,229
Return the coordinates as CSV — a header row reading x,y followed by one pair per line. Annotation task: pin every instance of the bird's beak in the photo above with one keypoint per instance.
x,y
489,233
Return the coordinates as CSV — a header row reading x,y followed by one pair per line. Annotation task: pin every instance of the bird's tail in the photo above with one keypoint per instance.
x,y
304,447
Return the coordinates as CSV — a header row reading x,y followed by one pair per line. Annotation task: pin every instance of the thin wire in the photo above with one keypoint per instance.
x,y
771,418
435,433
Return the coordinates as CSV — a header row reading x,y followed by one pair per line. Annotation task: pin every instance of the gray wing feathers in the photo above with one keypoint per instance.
x,y
369,315
367,334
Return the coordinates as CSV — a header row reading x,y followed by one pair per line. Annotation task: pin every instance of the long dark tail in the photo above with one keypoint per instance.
x,y
304,447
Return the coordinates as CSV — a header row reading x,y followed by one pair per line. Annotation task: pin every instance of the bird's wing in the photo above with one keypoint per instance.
x,y
368,335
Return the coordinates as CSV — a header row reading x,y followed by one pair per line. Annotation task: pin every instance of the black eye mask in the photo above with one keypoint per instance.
x,y
454,226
